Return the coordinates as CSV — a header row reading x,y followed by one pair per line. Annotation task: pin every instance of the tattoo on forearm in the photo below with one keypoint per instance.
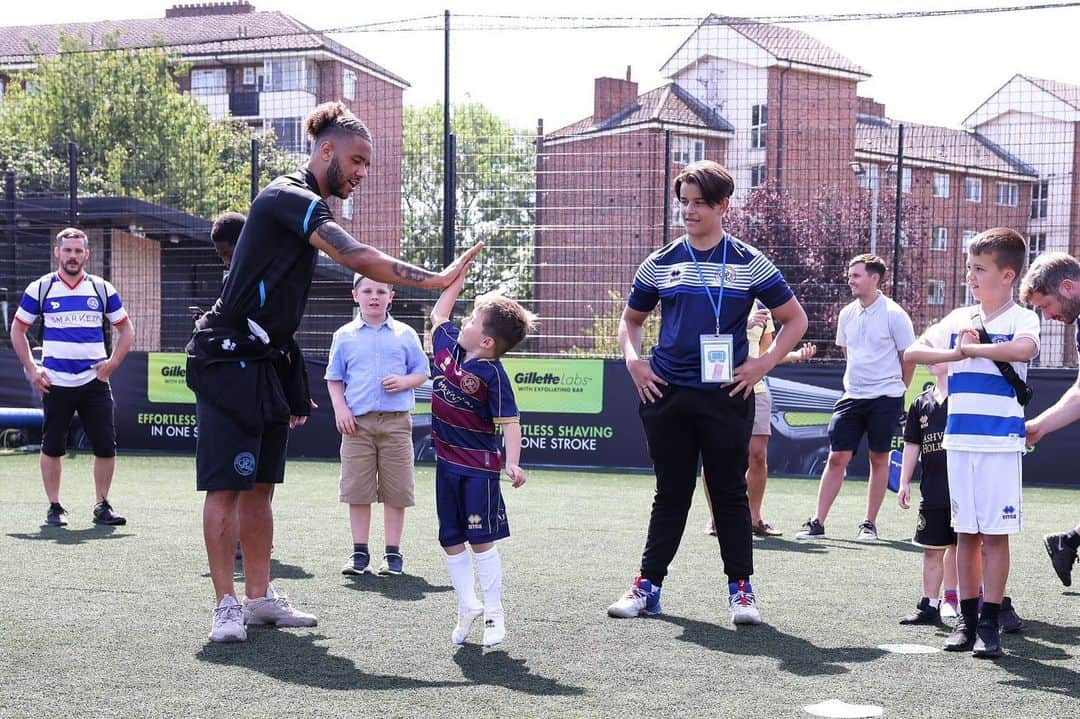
x,y
408,272
341,240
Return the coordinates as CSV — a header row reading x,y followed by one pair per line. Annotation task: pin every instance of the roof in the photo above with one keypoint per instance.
x,y
783,43
256,32
944,146
668,104
1063,91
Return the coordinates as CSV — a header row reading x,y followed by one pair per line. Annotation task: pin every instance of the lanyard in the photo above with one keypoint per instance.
x,y
718,303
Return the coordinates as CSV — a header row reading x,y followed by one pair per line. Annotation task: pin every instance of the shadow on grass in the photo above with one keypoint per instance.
x,y
497,668
1027,650
278,570
796,655
404,587
775,544
903,545
60,535
298,659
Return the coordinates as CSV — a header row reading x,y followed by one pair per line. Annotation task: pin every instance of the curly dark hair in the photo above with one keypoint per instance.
x,y
334,117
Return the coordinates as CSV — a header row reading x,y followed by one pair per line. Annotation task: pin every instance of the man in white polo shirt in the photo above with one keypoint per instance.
x,y
75,369
873,331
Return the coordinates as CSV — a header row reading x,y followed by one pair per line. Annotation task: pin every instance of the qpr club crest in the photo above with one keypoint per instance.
x,y
470,384
92,303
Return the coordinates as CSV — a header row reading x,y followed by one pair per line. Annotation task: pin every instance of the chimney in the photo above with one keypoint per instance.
x,y
870,106
611,94
241,7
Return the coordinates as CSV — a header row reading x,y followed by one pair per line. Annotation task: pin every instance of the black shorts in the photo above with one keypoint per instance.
x,y
93,402
934,529
878,418
230,459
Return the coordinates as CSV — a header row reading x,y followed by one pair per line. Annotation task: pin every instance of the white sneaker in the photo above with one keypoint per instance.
x,y
867,531
275,609
642,598
465,619
494,630
743,606
228,621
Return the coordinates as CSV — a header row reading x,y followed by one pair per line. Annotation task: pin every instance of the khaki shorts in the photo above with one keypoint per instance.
x,y
377,461
762,413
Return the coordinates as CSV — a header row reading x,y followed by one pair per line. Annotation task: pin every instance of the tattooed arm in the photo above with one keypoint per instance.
x,y
342,248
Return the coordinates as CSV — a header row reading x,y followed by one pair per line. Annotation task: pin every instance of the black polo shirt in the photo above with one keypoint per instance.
x,y
274,264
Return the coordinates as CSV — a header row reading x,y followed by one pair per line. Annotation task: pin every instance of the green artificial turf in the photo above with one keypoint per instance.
x,y
113,621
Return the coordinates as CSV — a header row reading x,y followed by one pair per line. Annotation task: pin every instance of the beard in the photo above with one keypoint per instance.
x,y
339,186
72,268
1070,307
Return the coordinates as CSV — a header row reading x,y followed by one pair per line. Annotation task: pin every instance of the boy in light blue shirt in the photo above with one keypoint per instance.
x,y
375,363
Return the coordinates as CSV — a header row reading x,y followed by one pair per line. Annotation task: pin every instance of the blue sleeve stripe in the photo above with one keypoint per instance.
x,y
307,217
262,293
113,304
30,304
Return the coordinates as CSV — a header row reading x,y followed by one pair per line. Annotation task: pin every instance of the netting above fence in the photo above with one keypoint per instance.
x,y
822,173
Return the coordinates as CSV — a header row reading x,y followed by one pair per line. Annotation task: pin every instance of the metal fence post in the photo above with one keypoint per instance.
x,y
667,189
899,208
73,184
254,168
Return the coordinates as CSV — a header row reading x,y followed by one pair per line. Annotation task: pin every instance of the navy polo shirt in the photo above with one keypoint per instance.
x,y
669,276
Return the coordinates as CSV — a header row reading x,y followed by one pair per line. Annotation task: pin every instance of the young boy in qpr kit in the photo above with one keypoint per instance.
x,y
984,432
471,395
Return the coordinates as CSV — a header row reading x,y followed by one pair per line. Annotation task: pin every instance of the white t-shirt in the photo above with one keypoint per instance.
x,y
874,336
984,415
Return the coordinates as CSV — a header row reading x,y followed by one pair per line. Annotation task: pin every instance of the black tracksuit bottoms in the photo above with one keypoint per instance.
x,y
687,424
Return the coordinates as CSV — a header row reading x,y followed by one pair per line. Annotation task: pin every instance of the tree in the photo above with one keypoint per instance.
x,y
496,182
137,134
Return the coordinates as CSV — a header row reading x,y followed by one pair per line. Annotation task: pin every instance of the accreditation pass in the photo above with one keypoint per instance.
x,y
716,353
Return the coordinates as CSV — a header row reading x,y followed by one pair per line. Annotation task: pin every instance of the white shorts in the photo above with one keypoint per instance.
x,y
985,491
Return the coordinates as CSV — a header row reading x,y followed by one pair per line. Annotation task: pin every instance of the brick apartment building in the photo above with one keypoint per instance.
x,y
790,118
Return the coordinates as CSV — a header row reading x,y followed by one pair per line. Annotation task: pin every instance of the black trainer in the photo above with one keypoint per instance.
x,y
962,638
1062,556
1008,619
104,514
811,529
56,516
987,641
923,614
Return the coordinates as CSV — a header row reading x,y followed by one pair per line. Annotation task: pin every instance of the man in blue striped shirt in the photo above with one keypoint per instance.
x,y
75,369
697,389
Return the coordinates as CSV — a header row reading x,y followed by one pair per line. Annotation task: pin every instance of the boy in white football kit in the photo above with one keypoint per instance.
x,y
984,433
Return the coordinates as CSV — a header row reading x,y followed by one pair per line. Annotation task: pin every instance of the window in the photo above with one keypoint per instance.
x,y
348,85
676,213
281,75
688,150
939,239
935,292
1008,194
289,135
759,118
1036,246
972,189
757,175
249,76
347,208
208,82
868,178
969,235
941,184
905,180
1039,193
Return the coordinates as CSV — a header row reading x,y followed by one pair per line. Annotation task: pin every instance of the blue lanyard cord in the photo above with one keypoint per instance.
x,y
719,302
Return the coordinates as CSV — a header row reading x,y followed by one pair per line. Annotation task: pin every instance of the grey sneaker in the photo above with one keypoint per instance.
x,y
56,516
867,531
812,529
104,514
275,609
228,621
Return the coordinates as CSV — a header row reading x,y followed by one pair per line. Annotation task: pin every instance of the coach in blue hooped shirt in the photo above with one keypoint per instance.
x,y
697,389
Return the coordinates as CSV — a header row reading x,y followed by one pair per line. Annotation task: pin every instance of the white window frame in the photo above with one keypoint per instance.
x,y
973,189
935,292
677,219
348,84
301,145
294,72
757,175
687,150
939,239
905,181
1040,192
208,81
1036,246
347,208
1008,194
969,235
869,177
759,122
941,184
250,77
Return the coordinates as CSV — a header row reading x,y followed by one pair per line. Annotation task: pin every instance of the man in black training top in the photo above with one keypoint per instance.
x,y
246,370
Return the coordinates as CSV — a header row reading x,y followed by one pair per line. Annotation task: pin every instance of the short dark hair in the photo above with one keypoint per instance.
x,y
711,178
1006,246
1046,274
504,321
874,264
226,229
334,118
71,233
